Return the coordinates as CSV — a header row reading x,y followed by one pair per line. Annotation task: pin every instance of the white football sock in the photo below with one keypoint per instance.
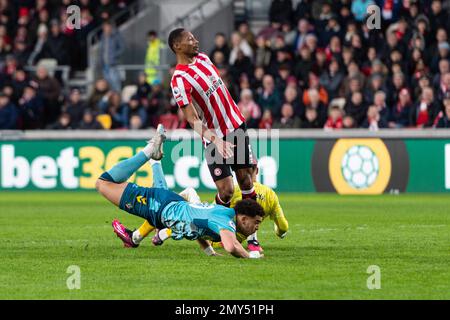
x,y
152,162
148,150
137,238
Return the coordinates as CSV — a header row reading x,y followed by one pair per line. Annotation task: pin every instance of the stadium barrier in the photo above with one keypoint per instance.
x,y
346,162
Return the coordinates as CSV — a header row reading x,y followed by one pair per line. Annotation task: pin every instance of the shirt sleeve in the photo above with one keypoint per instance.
x,y
182,91
222,221
275,208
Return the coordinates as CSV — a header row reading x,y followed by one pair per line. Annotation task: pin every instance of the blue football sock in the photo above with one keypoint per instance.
x,y
159,180
122,171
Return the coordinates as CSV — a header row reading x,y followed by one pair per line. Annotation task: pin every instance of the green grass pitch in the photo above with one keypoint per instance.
x,y
331,243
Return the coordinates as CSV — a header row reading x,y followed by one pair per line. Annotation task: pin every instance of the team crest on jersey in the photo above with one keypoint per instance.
x,y
217,172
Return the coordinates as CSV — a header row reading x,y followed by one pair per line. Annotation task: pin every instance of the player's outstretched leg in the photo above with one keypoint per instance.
x,y
122,171
112,184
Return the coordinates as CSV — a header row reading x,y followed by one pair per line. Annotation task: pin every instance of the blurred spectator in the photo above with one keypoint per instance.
x,y
8,113
315,84
220,45
332,78
425,110
63,123
111,104
291,96
348,122
131,109
374,121
303,65
41,48
156,103
50,89
58,45
247,34
143,87
106,10
310,121
303,29
281,11
250,110
356,107
241,66
315,103
288,119
111,49
334,120
438,17
263,53
238,44
266,120
152,57
19,82
400,114
269,98
443,119
75,107
31,108
379,101
136,122
101,89
88,122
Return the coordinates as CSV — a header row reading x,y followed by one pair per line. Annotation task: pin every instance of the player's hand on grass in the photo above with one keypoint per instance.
x,y
224,148
278,232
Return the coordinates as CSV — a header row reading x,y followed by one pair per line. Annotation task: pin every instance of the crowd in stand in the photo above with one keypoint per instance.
x,y
318,64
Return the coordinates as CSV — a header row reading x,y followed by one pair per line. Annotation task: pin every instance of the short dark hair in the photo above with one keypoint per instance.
x,y
249,207
174,36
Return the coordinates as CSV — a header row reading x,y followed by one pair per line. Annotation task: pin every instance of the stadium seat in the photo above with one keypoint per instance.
x,y
105,120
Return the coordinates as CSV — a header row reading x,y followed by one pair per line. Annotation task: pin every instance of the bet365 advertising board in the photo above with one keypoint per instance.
x,y
345,166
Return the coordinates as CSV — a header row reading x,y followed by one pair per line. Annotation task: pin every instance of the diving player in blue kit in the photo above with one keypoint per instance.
x,y
171,213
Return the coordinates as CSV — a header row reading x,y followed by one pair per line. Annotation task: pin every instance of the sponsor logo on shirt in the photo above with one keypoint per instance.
x,y
216,84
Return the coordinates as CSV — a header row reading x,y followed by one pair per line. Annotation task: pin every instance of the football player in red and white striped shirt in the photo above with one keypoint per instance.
x,y
210,110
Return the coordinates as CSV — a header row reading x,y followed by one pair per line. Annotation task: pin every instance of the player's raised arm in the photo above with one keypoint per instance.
x,y
225,148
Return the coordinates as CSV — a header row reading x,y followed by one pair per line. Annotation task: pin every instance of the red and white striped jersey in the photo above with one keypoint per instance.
x,y
200,83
